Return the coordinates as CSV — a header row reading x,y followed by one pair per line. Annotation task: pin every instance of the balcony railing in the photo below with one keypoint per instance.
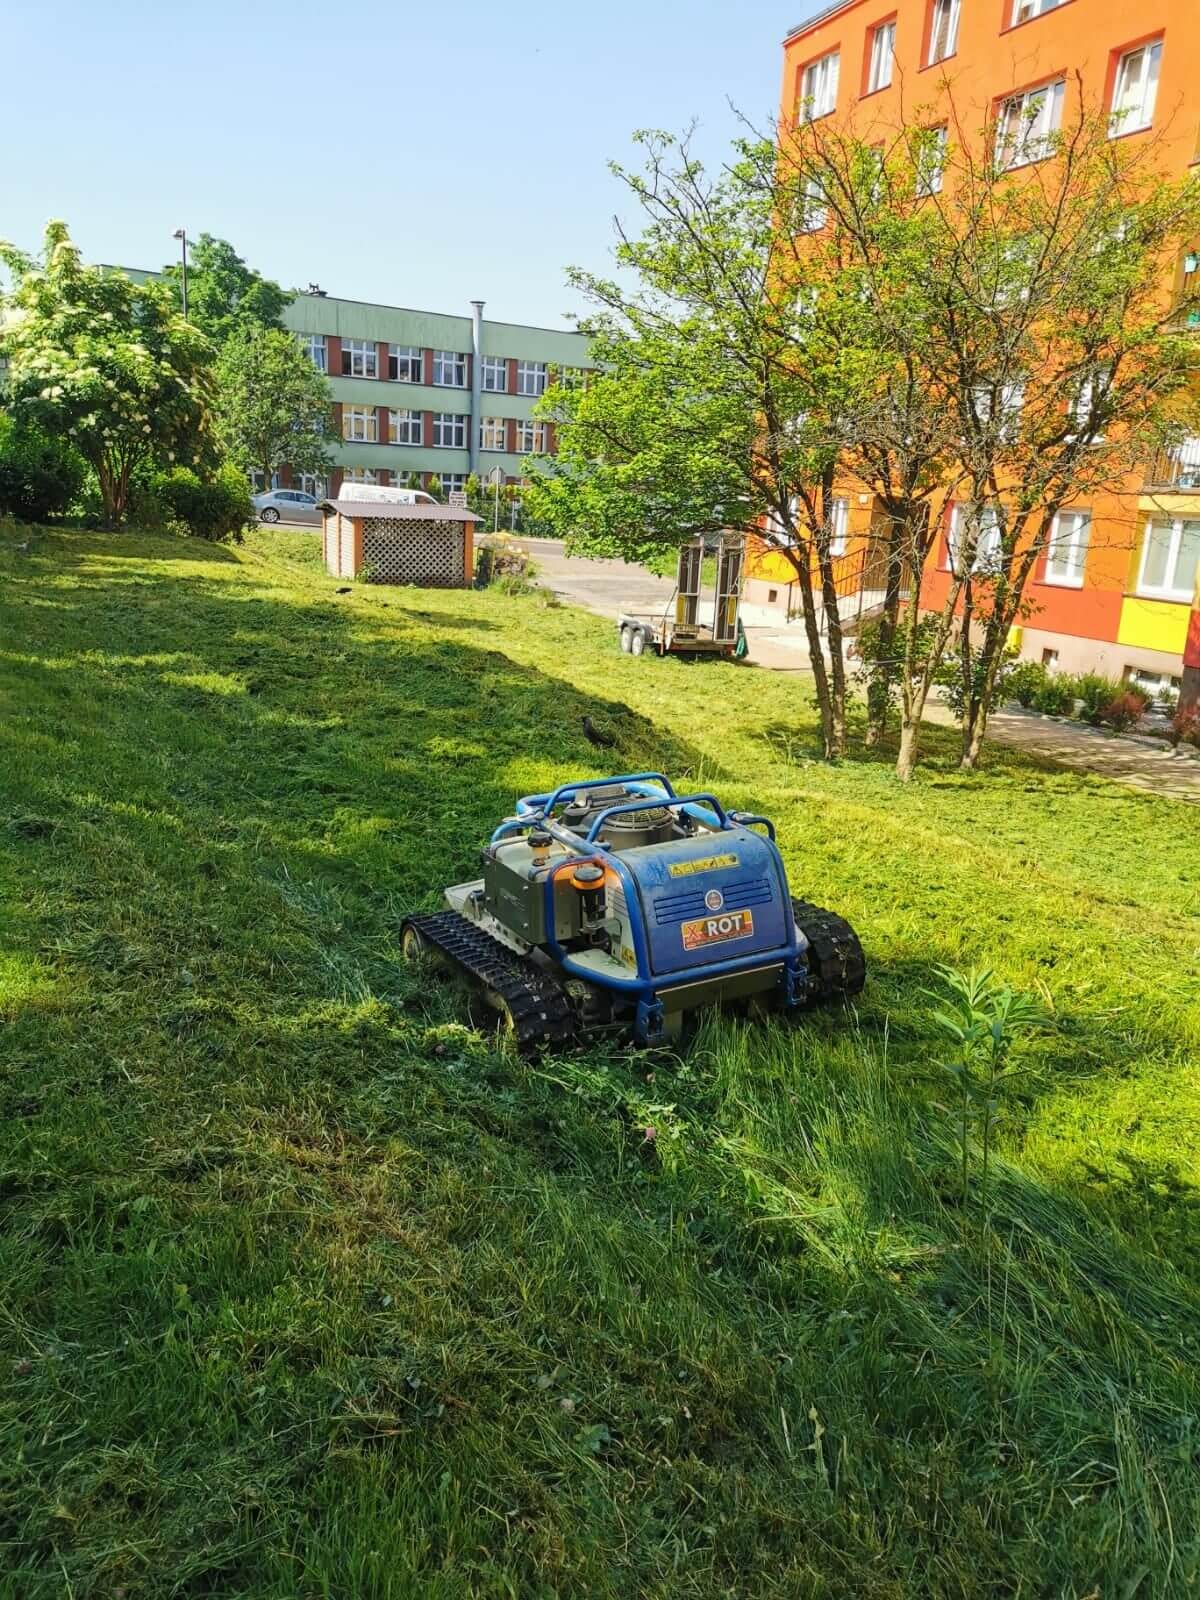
x,y
1177,468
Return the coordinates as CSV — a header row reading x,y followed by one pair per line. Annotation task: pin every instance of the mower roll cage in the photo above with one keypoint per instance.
x,y
537,809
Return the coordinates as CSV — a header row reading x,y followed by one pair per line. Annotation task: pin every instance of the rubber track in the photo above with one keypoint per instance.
x,y
540,1011
836,958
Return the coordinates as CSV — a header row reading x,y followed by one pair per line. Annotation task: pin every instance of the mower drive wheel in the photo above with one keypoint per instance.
x,y
414,946
637,643
837,966
626,640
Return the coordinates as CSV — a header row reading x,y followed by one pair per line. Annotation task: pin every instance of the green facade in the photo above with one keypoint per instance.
x,y
429,330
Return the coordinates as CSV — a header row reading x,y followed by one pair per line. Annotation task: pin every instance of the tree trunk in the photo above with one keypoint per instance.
x,y
816,655
879,688
906,760
837,657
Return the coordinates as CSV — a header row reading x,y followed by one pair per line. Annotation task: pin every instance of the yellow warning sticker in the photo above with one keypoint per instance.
x,y
713,930
686,869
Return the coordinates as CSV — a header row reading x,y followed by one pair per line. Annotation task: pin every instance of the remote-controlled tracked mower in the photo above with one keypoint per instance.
x,y
617,905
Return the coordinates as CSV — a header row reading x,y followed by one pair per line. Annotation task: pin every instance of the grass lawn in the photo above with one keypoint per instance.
x,y
309,1290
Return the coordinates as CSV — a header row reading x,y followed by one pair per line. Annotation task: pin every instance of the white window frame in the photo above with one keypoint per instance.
x,y
403,422
944,18
1011,397
452,362
531,379
359,475
1138,114
494,367
1085,398
929,182
1167,590
819,87
352,417
453,423
1027,10
1026,123
312,483
410,363
531,437
363,354
816,206
492,429
839,525
883,54
987,545
452,482
1066,553
315,348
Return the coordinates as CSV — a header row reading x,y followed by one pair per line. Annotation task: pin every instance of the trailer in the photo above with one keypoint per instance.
x,y
681,628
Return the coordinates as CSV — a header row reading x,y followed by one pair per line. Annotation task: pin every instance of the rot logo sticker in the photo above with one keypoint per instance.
x,y
717,929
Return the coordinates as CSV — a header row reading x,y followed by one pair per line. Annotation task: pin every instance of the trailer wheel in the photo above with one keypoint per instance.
x,y
637,643
626,639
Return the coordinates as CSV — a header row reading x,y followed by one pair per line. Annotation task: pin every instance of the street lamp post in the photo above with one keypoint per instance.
x,y
181,235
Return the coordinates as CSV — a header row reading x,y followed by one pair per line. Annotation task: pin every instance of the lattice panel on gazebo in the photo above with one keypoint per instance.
x,y
406,550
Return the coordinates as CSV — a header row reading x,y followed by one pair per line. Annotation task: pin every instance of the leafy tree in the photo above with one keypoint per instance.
x,y
40,474
1029,359
273,407
224,294
434,487
697,421
109,365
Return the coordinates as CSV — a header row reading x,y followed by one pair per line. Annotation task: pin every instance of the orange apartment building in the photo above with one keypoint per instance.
x,y
1116,594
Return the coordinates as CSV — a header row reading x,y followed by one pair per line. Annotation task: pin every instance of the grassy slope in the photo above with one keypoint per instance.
x,y
308,1291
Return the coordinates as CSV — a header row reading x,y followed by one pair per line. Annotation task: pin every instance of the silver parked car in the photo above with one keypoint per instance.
x,y
287,505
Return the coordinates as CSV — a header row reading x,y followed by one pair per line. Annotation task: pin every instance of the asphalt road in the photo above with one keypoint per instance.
x,y
606,587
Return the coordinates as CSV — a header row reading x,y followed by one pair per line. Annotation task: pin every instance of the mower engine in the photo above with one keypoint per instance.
x,y
616,905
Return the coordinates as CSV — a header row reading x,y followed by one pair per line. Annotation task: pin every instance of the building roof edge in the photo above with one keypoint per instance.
x,y
820,16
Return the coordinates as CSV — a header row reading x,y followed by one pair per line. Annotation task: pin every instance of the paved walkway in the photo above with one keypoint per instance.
x,y
607,587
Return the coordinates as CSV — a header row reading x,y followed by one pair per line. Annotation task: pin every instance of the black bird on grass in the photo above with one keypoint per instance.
x,y
602,741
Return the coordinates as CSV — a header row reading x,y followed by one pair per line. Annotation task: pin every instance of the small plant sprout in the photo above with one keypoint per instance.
x,y
981,1022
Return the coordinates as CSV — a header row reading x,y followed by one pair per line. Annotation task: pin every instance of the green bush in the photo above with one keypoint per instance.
x,y
39,474
217,509
1056,696
1025,682
1095,691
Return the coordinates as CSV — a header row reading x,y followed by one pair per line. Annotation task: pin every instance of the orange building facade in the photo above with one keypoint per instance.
x,y
1118,592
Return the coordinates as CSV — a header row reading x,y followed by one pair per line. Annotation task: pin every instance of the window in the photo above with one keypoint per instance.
x,y
452,482
531,377
312,483
931,161
1135,89
569,377
531,437
405,427
405,364
1170,557
359,475
818,88
256,480
987,536
1002,403
1068,548
883,48
943,30
816,211
313,345
449,369
1158,684
1049,658
772,596
495,375
360,358
449,430
1027,123
1026,10
360,423
839,514
1089,399
493,433
1184,461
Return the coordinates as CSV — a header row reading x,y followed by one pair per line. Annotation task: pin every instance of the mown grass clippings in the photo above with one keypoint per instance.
x,y
312,1291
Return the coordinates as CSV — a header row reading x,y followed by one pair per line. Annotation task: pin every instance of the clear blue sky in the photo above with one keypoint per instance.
x,y
415,154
